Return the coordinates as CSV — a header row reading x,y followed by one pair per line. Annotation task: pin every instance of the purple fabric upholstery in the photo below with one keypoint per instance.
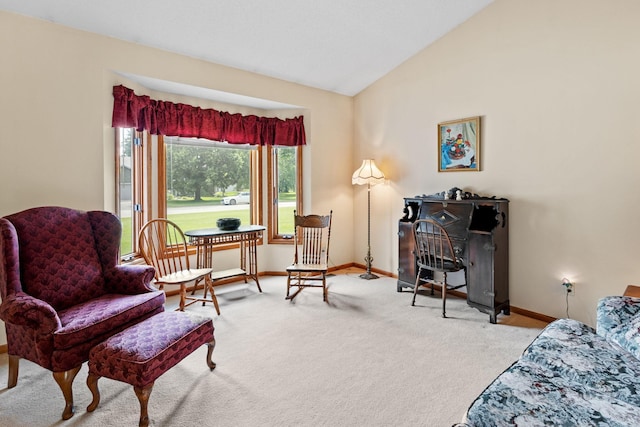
x,y
119,279
62,288
59,263
140,354
102,315
61,360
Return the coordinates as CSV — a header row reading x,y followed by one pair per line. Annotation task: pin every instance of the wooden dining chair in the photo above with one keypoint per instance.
x,y
311,257
435,257
163,245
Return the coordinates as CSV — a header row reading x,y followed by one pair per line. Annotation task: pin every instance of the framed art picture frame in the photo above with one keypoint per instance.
x,y
459,145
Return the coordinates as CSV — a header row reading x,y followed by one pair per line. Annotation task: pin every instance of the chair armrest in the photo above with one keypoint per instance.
x,y
130,279
24,310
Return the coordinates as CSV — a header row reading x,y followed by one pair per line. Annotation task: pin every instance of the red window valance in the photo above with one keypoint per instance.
x,y
170,119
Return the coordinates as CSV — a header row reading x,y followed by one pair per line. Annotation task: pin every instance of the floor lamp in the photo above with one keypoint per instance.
x,y
368,174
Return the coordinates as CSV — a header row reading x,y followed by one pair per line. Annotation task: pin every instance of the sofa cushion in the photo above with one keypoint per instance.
x,y
569,375
102,315
528,394
574,352
619,322
615,311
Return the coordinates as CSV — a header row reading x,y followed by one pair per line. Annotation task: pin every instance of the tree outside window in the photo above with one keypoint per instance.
x,y
200,174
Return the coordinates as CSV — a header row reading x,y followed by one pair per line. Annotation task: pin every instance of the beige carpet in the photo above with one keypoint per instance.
x,y
365,358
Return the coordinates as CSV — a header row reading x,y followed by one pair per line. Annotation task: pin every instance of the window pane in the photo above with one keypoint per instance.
x,y
125,188
286,185
206,181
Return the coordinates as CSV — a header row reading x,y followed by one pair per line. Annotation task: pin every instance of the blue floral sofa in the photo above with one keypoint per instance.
x,y
571,375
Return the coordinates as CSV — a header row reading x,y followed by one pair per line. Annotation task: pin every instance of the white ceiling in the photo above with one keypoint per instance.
x,y
338,45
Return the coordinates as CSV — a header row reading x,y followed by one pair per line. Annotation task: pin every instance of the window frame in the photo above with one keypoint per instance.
x,y
272,185
149,185
255,169
140,179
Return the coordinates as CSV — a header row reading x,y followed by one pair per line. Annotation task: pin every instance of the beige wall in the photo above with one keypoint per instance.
x,y
56,141
556,86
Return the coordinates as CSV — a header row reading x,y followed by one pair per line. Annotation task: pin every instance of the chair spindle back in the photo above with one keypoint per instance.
x,y
313,232
433,245
163,245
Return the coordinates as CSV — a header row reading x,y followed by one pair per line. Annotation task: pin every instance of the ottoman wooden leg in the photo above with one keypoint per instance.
x,y
143,394
210,346
92,383
65,381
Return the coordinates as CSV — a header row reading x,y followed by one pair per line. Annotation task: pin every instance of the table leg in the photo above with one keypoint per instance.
x,y
203,260
253,259
243,256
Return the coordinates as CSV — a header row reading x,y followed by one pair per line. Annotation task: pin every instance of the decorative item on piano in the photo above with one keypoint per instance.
x,y
452,194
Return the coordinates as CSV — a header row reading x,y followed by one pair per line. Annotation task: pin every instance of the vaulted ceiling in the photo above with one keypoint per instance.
x,y
338,45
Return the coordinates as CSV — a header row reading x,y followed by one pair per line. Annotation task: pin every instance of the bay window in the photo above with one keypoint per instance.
x,y
207,172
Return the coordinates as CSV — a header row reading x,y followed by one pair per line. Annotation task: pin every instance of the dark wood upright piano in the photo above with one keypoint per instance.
x,y
479,230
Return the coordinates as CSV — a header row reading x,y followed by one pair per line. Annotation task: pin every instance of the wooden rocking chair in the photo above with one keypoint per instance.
x,y
311,257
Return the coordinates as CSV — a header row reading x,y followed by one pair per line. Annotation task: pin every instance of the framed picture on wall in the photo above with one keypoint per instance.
x,y
459,145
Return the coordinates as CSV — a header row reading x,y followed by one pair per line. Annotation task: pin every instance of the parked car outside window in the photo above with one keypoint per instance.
x,y
244,197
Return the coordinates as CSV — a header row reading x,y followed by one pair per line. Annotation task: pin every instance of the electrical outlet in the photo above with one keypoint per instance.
x,y
568,286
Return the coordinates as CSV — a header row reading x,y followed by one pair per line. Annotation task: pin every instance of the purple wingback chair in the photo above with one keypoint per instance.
x,y
63,291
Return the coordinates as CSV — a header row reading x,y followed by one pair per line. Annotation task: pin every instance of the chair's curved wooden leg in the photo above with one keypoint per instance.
x,y
415,287
143,394
444,295
210,346
288,285
324,287
183,296
65,381
194,288
214,298
92,383
14,364
206,289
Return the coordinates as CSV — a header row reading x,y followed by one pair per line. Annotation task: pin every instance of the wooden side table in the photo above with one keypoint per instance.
x,y
632,291
246,235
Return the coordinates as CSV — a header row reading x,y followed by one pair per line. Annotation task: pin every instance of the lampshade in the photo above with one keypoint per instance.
x,y
367,173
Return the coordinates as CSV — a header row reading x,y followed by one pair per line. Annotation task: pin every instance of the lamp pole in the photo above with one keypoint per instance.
x,y
368,173
368,259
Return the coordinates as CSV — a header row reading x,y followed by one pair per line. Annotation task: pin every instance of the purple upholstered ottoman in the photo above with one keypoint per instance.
x,y
140,354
